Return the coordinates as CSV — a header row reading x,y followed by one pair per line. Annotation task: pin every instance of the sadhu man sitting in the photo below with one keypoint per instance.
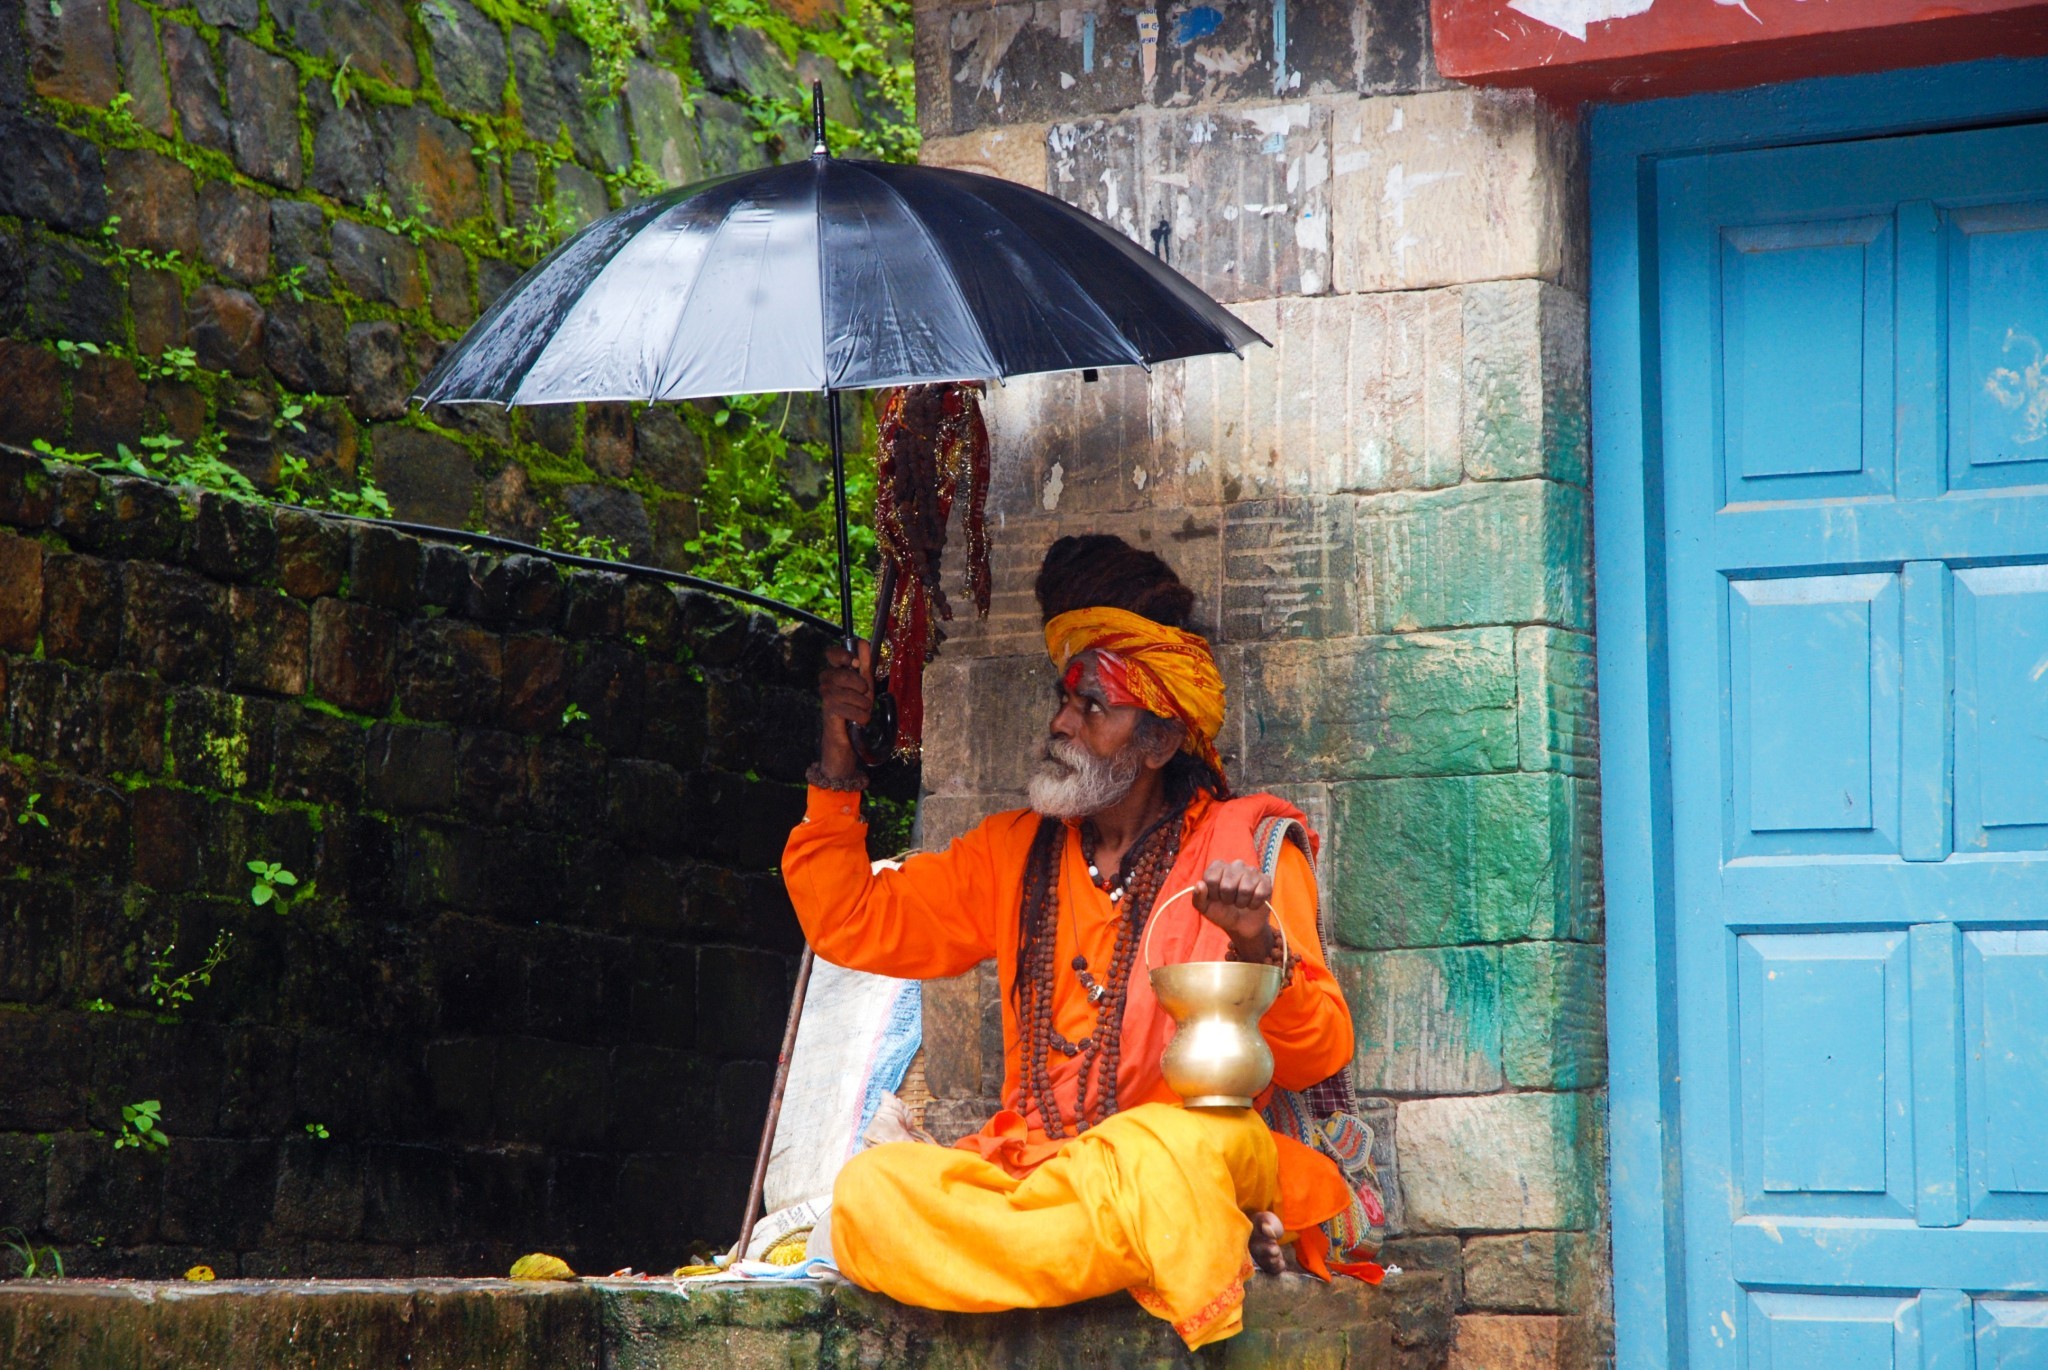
x,y
1092,1178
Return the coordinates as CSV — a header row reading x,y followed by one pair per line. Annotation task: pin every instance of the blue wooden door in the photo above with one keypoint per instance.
x,y
1854,362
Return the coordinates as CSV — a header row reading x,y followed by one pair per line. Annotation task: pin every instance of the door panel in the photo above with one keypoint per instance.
x,y
1856,554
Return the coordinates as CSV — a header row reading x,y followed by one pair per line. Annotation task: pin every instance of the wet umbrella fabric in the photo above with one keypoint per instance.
x,y
829,274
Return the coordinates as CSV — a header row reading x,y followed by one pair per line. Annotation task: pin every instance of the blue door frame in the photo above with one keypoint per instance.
x,y
1627,141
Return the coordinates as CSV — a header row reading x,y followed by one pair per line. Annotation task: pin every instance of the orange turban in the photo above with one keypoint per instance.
x,y
1168,671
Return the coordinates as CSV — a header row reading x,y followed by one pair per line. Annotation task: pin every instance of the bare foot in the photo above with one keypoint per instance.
x,y
1266,1250
892,1123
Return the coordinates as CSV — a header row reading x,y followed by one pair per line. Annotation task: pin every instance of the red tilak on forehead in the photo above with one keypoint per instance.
x,y
1111,670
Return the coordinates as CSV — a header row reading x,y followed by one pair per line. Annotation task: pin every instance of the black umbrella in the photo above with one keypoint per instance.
x,y
829,274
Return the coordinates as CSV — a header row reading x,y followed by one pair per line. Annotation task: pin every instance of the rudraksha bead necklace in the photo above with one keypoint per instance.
x,y
1142,872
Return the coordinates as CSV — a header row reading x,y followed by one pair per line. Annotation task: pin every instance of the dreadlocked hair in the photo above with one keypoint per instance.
x,y
1101,569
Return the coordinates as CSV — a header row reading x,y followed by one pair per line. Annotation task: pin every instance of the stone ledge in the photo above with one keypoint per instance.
x,y
636,1325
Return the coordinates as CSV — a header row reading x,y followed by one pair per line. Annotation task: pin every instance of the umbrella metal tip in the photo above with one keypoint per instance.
x,y
818,147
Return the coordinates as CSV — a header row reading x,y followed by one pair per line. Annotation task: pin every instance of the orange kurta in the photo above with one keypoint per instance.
x,y
945,912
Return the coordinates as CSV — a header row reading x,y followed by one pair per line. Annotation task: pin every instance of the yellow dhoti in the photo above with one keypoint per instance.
x,y
1153,1200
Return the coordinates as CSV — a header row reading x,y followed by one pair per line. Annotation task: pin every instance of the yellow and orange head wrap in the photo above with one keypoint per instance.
x,y
1167,671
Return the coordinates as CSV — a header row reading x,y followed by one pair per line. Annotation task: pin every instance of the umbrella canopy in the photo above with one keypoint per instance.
x,y
829,274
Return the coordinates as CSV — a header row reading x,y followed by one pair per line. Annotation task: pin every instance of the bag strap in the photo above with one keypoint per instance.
x,y
1270,838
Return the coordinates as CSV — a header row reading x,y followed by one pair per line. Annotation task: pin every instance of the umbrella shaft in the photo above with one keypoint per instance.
x,y
839,509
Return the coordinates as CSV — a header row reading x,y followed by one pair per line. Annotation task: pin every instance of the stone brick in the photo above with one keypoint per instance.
x,y
32,384
345,160
234,229
540,101
154,197
71,52
142,71
669,450
1530,1272
72,293
225,327
1506,552
742,1000
169,826
661,130
269,642
157,301
983,719
98,1192
1554,1024
429,478
1525,382
263,98
132,723
448,284
409,1195
121,516
319,1190
195,88
312,553
218,1193
469,56
232,539
556,1096
1466,859
21,592
319,757
449,671
1559,717
608,511
1014,152
1487,1341
427,165
1287,569
306,346
81,609
1429,1022
220,741
1412,704
375,35
410,769
106,409
376,371
232,14
353,647
50,175
597,128
175,624
1500,1162
377,265
384,567
53,716
1451,186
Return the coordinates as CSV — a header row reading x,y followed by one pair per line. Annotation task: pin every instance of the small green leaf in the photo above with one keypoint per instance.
x,y
261,895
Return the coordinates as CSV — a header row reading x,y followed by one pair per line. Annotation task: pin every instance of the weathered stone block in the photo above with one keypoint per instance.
x,y
1505,552
142,72
1287,569
269,642
375,35
468,50
106,410
1410,704
263,99
21,592
81,609
449,671
608,511
1451,186
377,387
377,265
1559,710
984,719
1554,1025
1356,393
1487,1341
384,567
225,327
427,166
220,741
1429,1022
71,52
232,539
663,134
154,197
345,159
1500,1162
410,769
1525,382
597,128
50,175
72,293
312,552
53,716
1014,152
540,99
448,284
1443,861
430,479
306,346
234,231
1531,1272
195,88
175,624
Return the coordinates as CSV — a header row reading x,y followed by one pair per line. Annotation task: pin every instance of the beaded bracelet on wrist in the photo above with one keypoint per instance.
x,y
1275,956
845,784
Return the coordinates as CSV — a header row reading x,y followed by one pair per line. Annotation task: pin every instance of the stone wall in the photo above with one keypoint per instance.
x,y
316,196
1387,517
533,976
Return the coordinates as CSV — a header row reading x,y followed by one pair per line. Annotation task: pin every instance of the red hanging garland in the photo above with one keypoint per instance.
x,y
932,436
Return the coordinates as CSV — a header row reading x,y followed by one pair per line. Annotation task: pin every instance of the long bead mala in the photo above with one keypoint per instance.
x,y
1144,870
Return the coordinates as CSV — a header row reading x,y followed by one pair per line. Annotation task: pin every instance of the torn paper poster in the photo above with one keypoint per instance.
x,y
1572,16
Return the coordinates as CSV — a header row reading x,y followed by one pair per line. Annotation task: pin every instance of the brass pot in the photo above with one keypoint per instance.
x,y
1217,1058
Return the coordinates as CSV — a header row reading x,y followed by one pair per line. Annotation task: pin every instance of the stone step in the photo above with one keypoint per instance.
x,y
655,1325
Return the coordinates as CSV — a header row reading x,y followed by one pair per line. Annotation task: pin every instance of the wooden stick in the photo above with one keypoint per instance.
x,y
760,1181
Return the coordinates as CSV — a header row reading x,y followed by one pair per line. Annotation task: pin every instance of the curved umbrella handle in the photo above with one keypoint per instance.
x,y
876,742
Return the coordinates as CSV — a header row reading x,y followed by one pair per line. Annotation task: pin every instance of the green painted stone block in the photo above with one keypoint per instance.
x,y
1553,1015
1557,707
1525,381
1415,704
1428,1021
1443,861
1480,553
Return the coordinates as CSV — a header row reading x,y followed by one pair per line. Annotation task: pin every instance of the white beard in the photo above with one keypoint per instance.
x,y
1073,782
